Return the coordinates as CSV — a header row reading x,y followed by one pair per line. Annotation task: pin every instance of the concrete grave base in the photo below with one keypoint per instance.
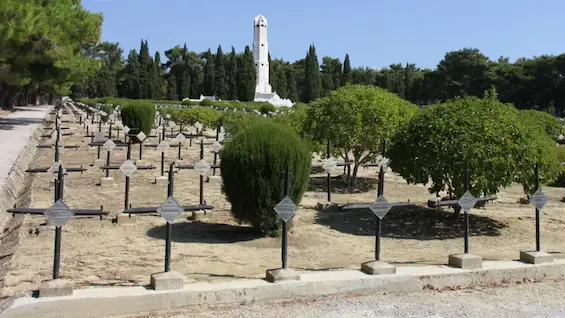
x,y
466,261
197,215
167,281
377,268
162,180
141,162
99,162
533,257
55,288
126,218
107,182
214,179
281,274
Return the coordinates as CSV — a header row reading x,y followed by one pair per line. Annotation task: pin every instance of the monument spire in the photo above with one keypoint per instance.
x,y
261,55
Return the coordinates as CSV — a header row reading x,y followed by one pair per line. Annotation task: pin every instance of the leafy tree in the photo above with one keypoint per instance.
x,y
483,134
356,120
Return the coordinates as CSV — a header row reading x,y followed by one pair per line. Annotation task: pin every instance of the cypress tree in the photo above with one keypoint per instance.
x,y
220,88
144,71
346,71
312,81
131,76
282,87
246,76
292,86
209,75
185,80
231,75
172,93
158,79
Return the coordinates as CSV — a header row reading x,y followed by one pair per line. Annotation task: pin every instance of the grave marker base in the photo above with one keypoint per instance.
x,y
162,180
99,162
214,179
281,274
533,257
377,268
107,182
466,261
197,215
141,162
167,281
126,219
55,288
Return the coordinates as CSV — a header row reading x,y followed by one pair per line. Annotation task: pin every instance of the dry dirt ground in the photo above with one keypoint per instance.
x,y
102,253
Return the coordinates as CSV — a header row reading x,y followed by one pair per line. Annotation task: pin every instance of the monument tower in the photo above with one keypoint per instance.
x,y
261,55
263,90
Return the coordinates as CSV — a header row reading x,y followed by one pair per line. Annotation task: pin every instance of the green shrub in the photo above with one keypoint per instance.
x,y
252,168
265,108
206,102
560,181
547,122
189,103
235,122
208,117
139,116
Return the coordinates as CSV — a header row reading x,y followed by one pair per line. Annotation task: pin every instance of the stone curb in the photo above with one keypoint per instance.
x,y
10,191
101,302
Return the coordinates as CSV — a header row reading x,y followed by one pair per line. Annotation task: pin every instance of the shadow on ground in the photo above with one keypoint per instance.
x,y
210,233
10,122
418,223
339,185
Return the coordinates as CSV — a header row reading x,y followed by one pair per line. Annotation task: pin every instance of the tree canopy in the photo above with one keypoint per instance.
x,y
489,137
356,120
43,45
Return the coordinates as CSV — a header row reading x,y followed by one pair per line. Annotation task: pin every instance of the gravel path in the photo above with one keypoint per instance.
x,y
545,299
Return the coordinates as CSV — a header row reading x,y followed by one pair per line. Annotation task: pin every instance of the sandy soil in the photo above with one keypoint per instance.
x,y
103,253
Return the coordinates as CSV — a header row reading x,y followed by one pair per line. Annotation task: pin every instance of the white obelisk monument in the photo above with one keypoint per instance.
x,y
263,90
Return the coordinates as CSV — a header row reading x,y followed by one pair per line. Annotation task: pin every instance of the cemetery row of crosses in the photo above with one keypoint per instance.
x,y
159,208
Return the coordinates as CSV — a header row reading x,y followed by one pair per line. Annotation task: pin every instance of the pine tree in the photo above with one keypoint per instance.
x,y
312,82
246,76
220,88
209,74
231,75
346,71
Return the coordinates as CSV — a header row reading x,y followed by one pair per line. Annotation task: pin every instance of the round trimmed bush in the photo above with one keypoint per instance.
x,y
253,165
206,102
138,116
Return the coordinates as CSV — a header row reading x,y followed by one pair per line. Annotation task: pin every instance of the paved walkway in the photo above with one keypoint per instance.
x,y
15,131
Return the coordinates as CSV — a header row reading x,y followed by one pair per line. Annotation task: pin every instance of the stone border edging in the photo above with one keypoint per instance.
x,y
97,302
10,192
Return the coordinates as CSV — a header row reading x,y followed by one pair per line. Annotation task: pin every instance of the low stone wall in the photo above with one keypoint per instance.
x,y
15,189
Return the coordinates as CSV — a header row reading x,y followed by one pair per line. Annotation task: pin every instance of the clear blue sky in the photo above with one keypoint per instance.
x,y
375,33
